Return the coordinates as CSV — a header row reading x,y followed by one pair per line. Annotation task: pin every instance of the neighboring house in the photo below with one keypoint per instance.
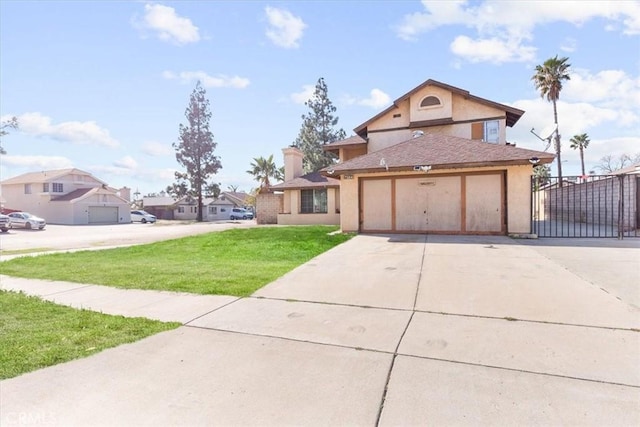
x,y
435,161
214,209
67,196
307,199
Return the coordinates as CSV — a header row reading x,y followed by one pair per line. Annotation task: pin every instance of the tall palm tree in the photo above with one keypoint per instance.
x,y
262,169
580,142
548,80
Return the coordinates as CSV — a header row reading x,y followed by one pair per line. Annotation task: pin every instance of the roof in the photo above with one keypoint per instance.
x,y
46,176
439,152
236,197
310,180
75,194
513,114
352,141
631,169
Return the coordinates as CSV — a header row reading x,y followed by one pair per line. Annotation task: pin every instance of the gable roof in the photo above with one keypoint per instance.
x,y
439,152
513,114
158,201
310,180
46,176
352,141
83,193
236,197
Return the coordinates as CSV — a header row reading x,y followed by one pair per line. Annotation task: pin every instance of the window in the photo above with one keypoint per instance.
x,y
57,187
492,131
27,189
223,210
213,210
313,201
45,187
180,209
430,101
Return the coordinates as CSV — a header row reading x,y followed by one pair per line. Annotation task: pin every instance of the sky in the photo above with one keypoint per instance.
x,y
103,86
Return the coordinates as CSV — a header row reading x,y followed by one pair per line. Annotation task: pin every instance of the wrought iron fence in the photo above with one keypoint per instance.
x,y
593,206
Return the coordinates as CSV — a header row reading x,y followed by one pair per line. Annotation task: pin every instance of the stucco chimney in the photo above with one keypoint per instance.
x,y
125,193
292,163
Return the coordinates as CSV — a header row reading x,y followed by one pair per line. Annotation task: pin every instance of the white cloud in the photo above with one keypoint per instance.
x,y
156,149
221,80
37,162
377,99
127,162
167,25
303,96
611,88
88,133
492,50
511,24
285,29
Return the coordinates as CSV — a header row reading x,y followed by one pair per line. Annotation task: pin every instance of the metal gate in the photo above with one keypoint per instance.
x,y
593,206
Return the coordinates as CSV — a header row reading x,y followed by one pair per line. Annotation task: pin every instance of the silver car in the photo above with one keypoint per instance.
x,y
26,220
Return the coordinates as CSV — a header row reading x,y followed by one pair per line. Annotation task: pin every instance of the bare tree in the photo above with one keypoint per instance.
x,y
611,163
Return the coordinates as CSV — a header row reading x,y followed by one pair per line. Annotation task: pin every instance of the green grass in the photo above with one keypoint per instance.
x,y
232,262
36,333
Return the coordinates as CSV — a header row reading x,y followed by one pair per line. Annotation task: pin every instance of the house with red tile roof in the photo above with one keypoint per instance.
x,y
67,196
435,161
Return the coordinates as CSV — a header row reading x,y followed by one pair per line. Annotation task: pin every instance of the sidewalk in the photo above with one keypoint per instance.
x,y
382,330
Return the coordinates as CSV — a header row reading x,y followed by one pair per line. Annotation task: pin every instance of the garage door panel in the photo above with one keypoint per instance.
x,y
103,214
428,204
376,204
484,203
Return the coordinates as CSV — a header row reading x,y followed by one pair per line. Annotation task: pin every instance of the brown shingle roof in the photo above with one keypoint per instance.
x,y
75,194
440,152
513,114
310,180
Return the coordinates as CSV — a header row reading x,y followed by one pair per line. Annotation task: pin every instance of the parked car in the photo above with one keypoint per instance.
x,y
142,216
240,213
5,223
26,220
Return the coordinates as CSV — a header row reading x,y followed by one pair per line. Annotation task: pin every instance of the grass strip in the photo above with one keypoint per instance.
x,y
36,333
233,262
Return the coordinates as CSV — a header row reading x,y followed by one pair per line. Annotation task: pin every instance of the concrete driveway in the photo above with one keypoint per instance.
x,y
382,330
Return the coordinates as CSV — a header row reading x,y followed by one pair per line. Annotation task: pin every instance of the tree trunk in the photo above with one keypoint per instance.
x,y
582,158
557,144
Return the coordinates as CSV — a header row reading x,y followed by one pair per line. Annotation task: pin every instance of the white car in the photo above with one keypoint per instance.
x,y
142,216
240,213
26,220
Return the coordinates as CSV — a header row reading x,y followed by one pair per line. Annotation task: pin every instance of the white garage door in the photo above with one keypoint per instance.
x,y
103,214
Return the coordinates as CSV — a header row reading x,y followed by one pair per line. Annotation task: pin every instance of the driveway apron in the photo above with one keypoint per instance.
x,y
381,330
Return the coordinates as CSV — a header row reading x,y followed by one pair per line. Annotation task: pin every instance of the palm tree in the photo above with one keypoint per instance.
x,y
262,169
548,80
580,142
232,188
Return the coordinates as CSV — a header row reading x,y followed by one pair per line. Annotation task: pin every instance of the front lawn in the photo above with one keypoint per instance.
x,y
232,262
36,333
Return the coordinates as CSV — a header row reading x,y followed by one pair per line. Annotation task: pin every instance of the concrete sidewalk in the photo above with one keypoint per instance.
x,y
382,330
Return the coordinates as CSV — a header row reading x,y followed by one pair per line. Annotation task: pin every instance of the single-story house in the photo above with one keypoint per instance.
x,y
435,161
215,209
67,196
162,207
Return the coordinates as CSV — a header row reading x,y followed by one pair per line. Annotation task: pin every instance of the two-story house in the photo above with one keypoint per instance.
x,y
435,161
67,196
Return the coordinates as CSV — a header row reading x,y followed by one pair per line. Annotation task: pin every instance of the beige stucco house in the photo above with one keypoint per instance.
x,y
67,196
436,161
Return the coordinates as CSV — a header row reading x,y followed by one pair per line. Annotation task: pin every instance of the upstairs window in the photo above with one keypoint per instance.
x,y
57,187
45,187
27,189
430,101
488,131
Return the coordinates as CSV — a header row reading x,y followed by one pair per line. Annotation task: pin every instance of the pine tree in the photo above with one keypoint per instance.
x,y
318,129
195,147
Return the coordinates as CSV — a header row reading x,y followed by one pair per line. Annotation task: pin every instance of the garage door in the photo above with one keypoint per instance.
x,y
103,214
468,203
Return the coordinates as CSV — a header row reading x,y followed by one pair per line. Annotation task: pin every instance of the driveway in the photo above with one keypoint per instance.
x,y
381,330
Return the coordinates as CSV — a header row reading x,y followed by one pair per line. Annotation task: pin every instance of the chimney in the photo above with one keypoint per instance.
x,y
125,193
292,163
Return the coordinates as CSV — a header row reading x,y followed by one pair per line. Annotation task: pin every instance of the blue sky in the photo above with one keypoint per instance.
x,y
103,86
